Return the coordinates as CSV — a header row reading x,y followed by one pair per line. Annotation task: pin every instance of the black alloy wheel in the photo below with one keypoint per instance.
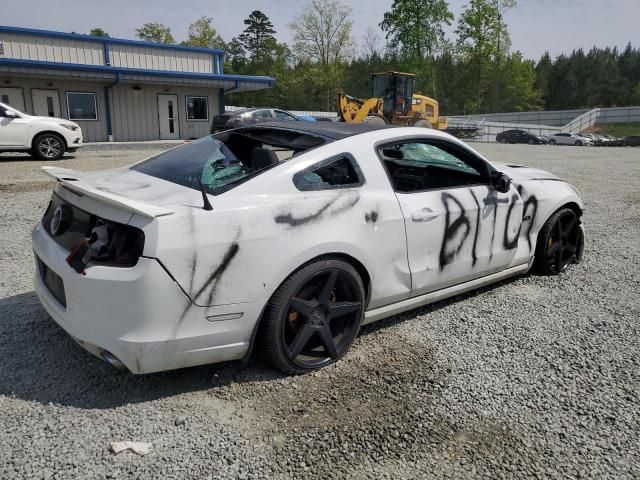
x,y
578,143
560,243
314,317
532,141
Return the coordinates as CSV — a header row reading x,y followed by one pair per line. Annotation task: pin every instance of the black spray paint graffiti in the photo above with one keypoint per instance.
x,y
331,207
511,243
211,283
371,217
452,229
457,230
529,211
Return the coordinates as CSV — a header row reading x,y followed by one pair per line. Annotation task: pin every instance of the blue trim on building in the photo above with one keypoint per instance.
x,y
90,38
134,71
107,54
107,105
221,104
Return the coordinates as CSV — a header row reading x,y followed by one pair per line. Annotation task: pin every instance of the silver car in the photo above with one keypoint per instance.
x,y
569,139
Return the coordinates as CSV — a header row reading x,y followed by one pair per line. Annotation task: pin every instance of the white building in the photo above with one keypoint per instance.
x,y
115,89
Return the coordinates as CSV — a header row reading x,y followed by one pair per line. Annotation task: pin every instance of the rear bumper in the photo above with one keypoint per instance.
x,y
140,315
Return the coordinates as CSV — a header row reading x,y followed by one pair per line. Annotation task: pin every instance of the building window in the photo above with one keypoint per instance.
x,y
82,106
197,108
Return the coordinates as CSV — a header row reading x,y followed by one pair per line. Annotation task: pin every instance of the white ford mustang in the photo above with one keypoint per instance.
x,y
289,238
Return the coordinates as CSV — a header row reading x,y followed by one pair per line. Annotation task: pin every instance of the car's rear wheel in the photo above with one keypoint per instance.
x,y
531,141
314,317
560,243
503,140
552,142
48,146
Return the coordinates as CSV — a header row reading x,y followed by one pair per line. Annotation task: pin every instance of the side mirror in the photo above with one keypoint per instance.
x,y
500,182
10,114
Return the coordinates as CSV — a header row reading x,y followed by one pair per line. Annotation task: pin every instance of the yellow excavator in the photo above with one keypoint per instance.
x,y
393,102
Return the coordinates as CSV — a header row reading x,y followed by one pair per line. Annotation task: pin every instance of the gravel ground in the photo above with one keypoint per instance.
x,y
534,377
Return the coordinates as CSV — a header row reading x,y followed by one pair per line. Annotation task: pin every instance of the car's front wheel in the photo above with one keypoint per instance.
x,y
48,146
313,317
560,243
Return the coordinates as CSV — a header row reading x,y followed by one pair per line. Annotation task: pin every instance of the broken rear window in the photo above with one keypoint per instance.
x,y
219,162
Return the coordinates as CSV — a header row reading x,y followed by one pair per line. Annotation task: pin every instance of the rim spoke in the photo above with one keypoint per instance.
x,y
305,307
558,259
569,227
553,249
325,294
327,341
343,308
300,340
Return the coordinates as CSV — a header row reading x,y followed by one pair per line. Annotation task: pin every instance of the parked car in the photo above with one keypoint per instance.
x,y
595,140
632,141
613,141
569,139
520,136
289,235
46,138
250,116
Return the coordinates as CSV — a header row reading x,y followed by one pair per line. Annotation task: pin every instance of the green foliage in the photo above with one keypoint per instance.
x,y
257,38
475,73
203,34
619,129
322,36
416,27
155,32
98,32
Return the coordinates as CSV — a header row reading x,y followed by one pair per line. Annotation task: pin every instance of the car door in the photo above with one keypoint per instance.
x,y
458,226
13,130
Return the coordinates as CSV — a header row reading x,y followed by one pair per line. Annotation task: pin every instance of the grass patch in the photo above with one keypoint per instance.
x,y
618,129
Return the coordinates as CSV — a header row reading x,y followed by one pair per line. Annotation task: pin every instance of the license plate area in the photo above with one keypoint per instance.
x,y
53,281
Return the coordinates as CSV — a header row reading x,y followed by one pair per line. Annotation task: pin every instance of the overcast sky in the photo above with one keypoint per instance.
x,y
536,26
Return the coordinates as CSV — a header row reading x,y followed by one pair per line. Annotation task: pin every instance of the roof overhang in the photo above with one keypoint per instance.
x,y
238,83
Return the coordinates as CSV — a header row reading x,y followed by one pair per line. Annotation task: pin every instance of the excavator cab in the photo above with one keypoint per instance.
x,y
396,91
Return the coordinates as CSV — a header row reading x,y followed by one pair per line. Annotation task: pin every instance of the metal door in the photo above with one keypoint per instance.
x,y
13,97
168,117
46,103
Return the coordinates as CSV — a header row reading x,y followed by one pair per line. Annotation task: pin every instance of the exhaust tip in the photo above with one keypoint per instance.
x,y
113,360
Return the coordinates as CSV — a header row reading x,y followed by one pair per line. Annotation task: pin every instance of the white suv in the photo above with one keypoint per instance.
x,y
46,138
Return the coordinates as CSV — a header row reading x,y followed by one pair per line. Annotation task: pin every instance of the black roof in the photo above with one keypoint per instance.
x,y
331,130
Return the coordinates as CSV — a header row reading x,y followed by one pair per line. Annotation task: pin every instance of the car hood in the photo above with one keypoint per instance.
x,y
53,119
521,173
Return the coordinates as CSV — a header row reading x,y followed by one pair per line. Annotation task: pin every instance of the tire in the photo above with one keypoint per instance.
x,y
375,120
422,124
321,298
560,243
578,143
48,146
552,142
531,141
503,140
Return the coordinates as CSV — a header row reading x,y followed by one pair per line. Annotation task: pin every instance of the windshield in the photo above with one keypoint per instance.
x,y
219,162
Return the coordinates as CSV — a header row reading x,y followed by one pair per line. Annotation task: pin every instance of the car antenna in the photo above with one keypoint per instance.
x,y
205,199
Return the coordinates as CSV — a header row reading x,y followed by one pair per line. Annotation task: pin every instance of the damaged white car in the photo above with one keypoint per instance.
x,y
288,238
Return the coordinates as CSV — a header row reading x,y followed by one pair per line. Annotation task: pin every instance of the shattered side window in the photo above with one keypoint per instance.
x,y
340,172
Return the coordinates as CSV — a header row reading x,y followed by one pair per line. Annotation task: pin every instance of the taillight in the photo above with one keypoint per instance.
x,y
111,244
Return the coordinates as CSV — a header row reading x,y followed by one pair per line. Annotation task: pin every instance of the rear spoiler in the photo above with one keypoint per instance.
x,y
77,181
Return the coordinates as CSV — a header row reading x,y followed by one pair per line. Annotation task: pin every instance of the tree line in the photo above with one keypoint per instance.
x,y
475,72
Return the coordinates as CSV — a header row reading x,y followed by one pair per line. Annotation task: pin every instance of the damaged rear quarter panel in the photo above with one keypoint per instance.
x,y
244,248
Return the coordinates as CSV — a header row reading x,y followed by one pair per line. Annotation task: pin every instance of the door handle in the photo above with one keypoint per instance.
x,y
424,215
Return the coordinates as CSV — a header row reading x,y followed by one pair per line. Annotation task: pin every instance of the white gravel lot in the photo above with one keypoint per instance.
x,y
533,377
